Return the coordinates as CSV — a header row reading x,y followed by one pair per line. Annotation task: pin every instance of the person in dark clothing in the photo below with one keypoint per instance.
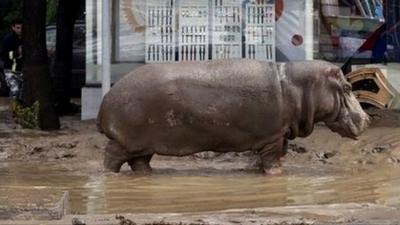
x,y
11,57
11,53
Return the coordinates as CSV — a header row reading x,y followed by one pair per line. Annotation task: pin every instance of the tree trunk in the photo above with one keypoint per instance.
x,y
67,13
37,82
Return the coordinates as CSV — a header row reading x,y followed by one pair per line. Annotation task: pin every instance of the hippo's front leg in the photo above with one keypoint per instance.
x,y
270,156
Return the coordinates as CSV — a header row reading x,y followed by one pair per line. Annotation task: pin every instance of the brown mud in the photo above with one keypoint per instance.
x,y
319,171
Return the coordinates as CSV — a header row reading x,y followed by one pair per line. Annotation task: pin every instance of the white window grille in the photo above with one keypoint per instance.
x,y
160,31
193,30
193,19
227,29
260,31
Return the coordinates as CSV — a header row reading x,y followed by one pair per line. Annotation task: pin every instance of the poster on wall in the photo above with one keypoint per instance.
x,y
132,22
290,30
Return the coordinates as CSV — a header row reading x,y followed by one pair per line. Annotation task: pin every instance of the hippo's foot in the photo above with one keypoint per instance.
x,y
270,157
141,164
112,164
273,171
115,156
272,168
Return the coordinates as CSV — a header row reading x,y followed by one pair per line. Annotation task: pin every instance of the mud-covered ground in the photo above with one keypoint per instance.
x,y
79,143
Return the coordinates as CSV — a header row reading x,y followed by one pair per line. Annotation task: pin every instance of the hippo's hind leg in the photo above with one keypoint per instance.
x,y
141,164
270,156
115,155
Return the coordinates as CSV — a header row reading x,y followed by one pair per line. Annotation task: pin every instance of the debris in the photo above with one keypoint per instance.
x,y
67,145
180,223
77,221
290,223
371,86
124,221
36,150
363,162
381,148
297,148
377,149
206,155
68,155
393,160
324,156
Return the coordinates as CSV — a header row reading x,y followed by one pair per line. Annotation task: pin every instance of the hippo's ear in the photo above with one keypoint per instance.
x,y
333,73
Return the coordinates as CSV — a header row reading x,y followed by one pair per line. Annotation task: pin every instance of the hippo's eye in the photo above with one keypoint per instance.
x,y
347,88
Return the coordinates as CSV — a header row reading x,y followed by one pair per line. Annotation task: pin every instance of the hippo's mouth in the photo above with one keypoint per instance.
x,y
349,124
343,125
349,133
342,129
350,120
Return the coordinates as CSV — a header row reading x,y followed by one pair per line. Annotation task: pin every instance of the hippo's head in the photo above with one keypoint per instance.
x,y
344,114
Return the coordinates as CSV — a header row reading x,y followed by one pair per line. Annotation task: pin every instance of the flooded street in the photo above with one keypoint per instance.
x,y
164,191
37,168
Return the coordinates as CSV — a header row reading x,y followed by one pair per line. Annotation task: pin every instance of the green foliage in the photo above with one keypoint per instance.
x,y
51,11
27,117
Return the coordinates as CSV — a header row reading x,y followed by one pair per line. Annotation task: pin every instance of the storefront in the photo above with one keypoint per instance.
x,y
152,31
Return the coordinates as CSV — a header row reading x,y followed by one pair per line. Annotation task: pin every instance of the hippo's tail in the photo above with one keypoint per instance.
x,y
99,118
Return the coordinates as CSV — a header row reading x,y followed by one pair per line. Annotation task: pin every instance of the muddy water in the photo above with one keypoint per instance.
x,y
181,192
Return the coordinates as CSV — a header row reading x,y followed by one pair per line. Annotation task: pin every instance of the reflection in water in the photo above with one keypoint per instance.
x,y
95,194
163,192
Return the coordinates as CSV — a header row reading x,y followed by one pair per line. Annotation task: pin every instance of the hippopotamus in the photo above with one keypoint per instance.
x,y
182,108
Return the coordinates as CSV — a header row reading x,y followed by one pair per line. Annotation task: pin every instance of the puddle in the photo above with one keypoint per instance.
x,y
163,191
